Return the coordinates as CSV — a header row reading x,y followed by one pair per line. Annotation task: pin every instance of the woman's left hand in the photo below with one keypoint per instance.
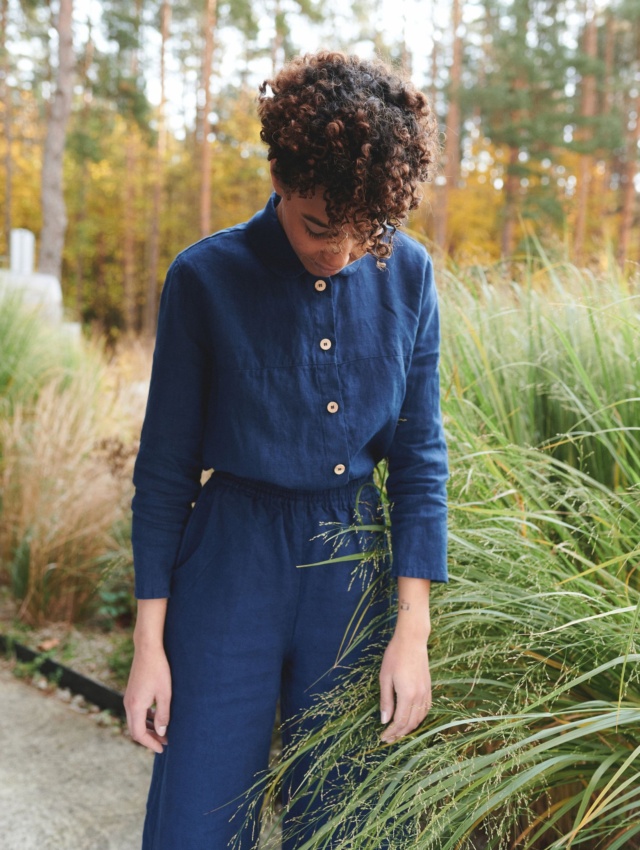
x,y
405,684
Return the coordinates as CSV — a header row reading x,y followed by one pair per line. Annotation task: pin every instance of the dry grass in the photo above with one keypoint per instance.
x,y
60,501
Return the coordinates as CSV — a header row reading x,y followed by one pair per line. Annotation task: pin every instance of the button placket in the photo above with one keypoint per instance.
x,y
330,398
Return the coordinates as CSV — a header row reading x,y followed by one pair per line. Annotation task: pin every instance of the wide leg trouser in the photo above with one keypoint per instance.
x,y
246,626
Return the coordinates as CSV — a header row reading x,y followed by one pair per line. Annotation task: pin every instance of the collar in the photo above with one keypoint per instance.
x,y
268,239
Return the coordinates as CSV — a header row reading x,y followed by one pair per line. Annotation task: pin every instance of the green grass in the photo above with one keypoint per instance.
x,y
550,361
534,737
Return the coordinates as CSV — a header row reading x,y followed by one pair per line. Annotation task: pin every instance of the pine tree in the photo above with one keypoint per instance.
x,y
522,104
54,216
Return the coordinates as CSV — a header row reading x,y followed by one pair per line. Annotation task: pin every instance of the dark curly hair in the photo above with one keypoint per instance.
x,y
356,128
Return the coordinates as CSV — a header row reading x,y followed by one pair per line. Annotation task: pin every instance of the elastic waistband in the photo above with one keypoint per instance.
x,y
343,495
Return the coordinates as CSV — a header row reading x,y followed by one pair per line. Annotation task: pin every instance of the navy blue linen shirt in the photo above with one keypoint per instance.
x,y
265,371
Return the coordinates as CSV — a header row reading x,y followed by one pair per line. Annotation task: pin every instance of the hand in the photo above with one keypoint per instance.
x,y
405,671
149,682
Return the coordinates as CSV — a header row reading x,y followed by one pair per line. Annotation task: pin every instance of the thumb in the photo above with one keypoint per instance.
x,y
387,704
161,716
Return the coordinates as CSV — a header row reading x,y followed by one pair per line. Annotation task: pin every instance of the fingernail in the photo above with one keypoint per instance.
x,y
384,717
162,730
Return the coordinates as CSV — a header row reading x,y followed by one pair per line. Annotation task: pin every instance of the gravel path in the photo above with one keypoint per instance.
x,y
66,783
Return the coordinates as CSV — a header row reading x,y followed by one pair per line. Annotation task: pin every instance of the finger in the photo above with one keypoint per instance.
x,y
150,724
408,716
418,714
419,710
387,702
151,741
162,713
137,723
401,720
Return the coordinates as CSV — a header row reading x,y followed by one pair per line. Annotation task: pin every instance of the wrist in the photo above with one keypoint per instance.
x,y
148,641
417,629
148,633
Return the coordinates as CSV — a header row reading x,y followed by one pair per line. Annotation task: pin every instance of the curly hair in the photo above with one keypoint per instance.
x,y
356,128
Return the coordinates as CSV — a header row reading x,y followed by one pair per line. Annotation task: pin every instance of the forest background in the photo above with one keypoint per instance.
x,y
128,129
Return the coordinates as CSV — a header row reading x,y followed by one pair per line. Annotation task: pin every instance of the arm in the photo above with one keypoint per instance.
x,y
405,665
149,678
167,480
169,464
418,472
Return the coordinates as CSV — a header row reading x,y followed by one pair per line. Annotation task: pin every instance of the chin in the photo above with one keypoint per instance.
x,y
327,270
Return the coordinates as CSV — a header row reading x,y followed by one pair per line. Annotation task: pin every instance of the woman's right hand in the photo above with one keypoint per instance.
x,y
149,683
149,678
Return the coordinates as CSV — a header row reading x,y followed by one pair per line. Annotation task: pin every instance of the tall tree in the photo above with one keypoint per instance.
x,y
628,56
123,20
522,104
584,132
203,130
151,300
5,102
54,216
453,130
282,12
83,147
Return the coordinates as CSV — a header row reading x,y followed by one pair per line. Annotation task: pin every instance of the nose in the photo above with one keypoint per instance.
x,y
345,250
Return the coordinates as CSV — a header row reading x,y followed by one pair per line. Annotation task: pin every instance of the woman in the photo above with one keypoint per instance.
x,y
294,352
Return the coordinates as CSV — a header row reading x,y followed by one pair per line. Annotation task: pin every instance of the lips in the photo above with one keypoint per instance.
x,y
328,272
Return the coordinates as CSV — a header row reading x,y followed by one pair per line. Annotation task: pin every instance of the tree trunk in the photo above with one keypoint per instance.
x,y
406,57
129,240
435,56
277,42
151,301
5,100
54,215
84,173
203,135
604,108
508,240
628,187
585,168
452,139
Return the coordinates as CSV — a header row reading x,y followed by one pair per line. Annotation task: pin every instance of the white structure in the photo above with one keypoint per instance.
x,y
23,250
41,291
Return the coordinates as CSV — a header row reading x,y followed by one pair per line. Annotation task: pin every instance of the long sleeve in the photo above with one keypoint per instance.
x,y
168,468
418,462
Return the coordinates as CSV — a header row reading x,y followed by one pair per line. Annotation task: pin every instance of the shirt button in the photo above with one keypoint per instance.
x,y
339,468
332,407
320,285
325,344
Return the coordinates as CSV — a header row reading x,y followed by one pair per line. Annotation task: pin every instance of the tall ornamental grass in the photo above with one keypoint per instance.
x,y
62,496
533,741
551,361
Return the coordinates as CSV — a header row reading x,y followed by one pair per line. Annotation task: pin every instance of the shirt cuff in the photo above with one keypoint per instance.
x,y
419,548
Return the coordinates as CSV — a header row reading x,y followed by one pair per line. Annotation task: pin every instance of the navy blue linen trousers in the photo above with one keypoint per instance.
x,y
247,624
